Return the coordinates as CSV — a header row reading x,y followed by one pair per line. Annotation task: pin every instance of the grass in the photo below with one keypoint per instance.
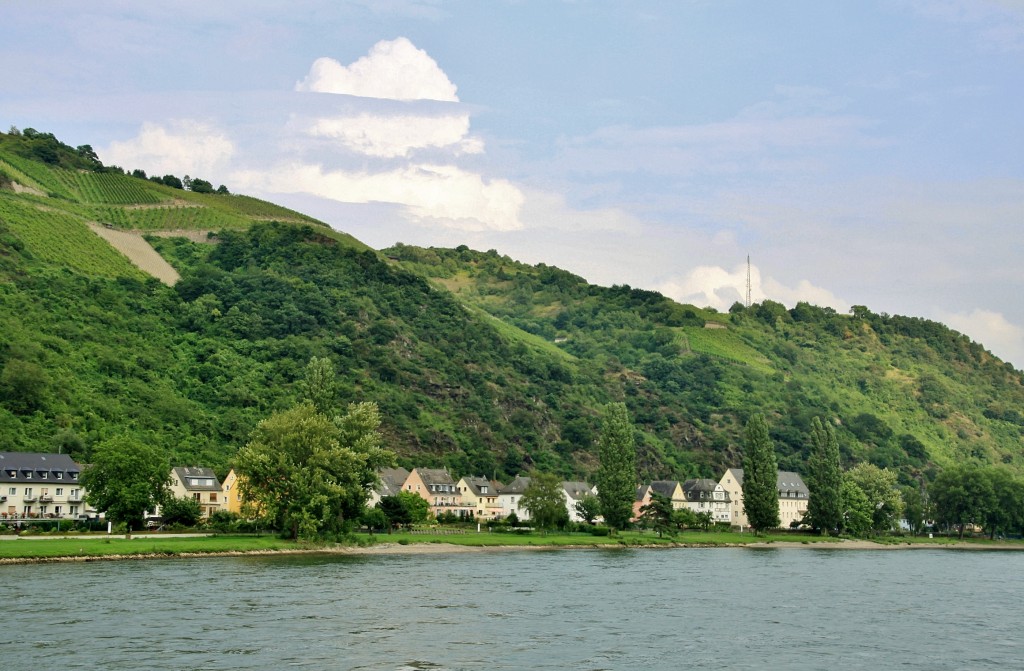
x,y
726,344
101,545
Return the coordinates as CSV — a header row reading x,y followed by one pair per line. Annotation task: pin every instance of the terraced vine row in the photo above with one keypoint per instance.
x,y
59,238
114,189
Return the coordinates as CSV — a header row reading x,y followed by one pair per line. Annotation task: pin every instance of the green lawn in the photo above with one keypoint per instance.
x,y
101,545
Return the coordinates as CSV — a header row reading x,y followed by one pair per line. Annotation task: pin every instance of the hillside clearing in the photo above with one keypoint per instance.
x,y
139,252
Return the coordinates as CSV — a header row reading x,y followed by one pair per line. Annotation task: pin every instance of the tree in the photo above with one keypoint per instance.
x,y
825,478
185,512
310,474
404,509
760,477
616,475
126,479
588,508
1007,504
914,508
658,514
856,508
319,386
880,487
545,499
962,495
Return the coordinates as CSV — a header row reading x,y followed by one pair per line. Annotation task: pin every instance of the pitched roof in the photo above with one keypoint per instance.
x,y
197,479
642,492
787,481
481,486
577,490
32,466
666,488
434,476
517,486
391,480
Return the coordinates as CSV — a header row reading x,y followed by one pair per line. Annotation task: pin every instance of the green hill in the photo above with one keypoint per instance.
x,y
478,362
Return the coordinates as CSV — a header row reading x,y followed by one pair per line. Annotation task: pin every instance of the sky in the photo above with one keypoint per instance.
x,y
860,152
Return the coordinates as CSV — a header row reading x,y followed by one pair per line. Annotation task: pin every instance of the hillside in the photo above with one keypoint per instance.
x,y
478,362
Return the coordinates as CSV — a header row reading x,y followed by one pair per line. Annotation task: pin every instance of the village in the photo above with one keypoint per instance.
x,y
36,487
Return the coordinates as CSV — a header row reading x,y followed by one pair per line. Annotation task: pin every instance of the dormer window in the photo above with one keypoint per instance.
x,y
60,476
43,475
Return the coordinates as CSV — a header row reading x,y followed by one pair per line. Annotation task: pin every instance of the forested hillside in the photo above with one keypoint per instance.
x,y
478,362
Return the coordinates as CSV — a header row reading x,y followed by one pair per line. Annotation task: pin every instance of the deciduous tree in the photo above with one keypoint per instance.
x,y
310,474
126,478
545,500
880,487
825,478
760,477
616,475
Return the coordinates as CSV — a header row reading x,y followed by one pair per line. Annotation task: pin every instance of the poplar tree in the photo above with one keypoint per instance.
x,y
760,477
616,475
825,479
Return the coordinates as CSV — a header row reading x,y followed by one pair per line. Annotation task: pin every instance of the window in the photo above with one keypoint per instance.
x,y
28,476
213,497
60,476
28,491
43,475
56,510
11,491
73,510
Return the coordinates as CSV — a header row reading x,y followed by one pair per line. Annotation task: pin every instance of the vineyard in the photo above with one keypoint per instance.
x,y
106,187
47,179
725,344
56,237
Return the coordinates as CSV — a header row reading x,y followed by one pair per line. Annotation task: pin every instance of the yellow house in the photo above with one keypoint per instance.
x,y
480,496
232,495
199,484
793,497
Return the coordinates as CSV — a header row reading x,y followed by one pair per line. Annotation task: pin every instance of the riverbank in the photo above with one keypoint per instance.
x,y
107,548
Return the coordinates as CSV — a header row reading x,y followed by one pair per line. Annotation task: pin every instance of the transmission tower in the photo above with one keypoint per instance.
x,y
748,281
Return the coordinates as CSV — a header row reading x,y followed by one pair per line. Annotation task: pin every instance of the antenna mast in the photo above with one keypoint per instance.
x,y
748,280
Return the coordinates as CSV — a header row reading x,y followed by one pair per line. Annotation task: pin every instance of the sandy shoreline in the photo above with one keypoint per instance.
x,y
446,548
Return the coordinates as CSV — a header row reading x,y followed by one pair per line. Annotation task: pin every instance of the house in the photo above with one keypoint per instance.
x,y
793,497
232,495
643,497
510,497
437,488
574,492
704,495
480,497
390,483
671,490
200,485
40,486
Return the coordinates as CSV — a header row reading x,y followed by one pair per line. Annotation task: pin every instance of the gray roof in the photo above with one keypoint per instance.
x,y
187,473
693,489
435,476
478,485
37,466
666,488
641,492
790,484
517,486
577,490
391,481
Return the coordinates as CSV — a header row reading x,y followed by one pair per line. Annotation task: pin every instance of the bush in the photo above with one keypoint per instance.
x,y
599,531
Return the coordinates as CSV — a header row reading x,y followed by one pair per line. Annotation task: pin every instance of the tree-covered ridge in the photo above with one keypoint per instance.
x,y
905,392
477,362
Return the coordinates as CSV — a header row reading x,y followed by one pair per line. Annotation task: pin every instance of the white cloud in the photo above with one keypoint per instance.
x,y
549,211
184,147
992,330
719,288
394,70
431,194
399,135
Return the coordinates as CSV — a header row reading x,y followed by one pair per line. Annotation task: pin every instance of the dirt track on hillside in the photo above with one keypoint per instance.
x,y
139,252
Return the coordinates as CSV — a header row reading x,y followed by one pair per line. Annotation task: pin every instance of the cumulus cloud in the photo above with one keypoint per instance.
x,y
398,136
991,329
442,195
394,70
719,288
182,147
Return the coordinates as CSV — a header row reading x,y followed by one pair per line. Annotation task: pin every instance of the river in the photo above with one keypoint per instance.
x,y
725,608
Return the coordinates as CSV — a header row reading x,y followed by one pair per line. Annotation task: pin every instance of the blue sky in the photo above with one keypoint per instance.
x,y
861,152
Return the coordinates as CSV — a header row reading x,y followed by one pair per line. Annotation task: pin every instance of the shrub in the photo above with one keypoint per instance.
x,y
599,531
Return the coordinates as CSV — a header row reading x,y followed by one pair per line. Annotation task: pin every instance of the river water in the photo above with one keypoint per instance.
x,y
726,608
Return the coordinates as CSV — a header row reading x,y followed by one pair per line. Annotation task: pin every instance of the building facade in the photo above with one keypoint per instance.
x,y
199,484
40,486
